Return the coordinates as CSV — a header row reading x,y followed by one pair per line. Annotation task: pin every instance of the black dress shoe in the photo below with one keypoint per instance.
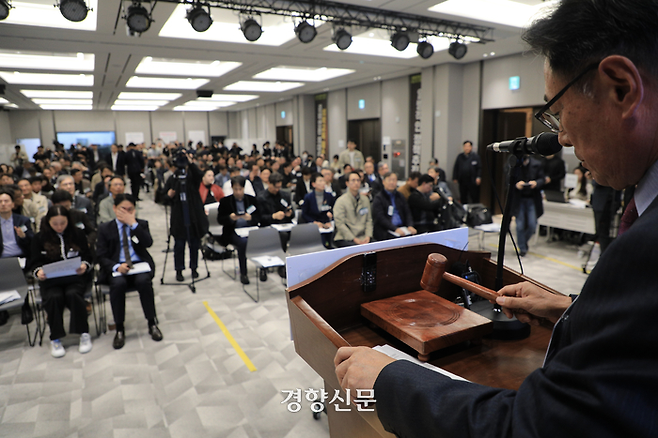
x,y
244,279
195,274
263,275
119,340
155,333
179,276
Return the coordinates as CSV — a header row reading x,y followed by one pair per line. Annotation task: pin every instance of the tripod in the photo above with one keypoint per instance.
x,y
182,193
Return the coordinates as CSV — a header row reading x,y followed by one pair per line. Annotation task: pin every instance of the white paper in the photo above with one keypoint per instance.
x,y
138,268
283,227
328,230
399,355
268,261
211,206
168,136
405,232
9,296
244,232
63,268
134,137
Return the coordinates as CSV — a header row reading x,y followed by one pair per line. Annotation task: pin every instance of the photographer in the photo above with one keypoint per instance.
x,y
187,214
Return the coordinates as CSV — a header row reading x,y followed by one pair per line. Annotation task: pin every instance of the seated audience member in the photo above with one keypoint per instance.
x,y
79,219
59,239
425,205
82,186
47,188
256,181
352,215
209,191
81,203
102,189
276,208
412,183
39,200
25,207
265,173
437,173
440,186
122,243
17,234
303,186
36,183
106,206
238,210
390,213
248,187
317,206
222,175
342,180
583,190
331,185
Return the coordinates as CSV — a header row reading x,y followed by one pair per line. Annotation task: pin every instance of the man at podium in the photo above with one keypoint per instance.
x,y
599,376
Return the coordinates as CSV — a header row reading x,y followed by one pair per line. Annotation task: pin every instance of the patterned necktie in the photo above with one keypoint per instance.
x,y
629,216
126,250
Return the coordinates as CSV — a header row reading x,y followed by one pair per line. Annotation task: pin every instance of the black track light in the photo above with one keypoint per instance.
x,y
342,38
457,50
5,6
138,18
306,32
251,29
425,49
400,41
199,18
73,10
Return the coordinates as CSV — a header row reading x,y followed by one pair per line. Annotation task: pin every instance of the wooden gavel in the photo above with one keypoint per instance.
x,y
435,271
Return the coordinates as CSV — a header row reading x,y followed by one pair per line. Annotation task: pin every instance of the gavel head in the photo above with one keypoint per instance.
x,y
433,273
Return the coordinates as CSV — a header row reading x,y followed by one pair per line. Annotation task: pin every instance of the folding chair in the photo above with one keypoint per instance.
x,y
264,250
215,230
304,239
13,279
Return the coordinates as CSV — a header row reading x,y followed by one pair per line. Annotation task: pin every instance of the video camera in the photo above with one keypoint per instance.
x,y
180,158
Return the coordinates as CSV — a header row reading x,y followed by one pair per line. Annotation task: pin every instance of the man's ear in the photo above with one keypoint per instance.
x,y
623,84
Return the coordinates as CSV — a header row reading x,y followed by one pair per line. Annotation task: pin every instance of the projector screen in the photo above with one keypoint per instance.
x,y
101,138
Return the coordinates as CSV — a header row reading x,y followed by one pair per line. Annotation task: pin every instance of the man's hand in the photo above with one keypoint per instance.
x,y
123,269
233,217
279,215
547,180
289,212
520,184
19,233
41,275
82,269
435,196
400,232
171,193
329,215
478,181
412,230
358,367
533,184
126,217
247,217
530,303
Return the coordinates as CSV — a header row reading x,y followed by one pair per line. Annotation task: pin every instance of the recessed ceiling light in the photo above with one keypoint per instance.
x,y
208,104
47,79
67,107
158,103
170,83
176,67
507,12
63,101
58,94
3,101
126,95
308,74
272,87
133,108
47,61
43,14
229,98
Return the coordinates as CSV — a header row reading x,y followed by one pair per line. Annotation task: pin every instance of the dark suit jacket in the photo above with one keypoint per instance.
x,y
121,163
134,161
533,171
311,211
83,204
108,246
26,242
258,186
382,221
270,204
228,206
599,378
300,191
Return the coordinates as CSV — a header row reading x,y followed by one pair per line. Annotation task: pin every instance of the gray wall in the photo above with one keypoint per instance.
x,y
495,82
372,94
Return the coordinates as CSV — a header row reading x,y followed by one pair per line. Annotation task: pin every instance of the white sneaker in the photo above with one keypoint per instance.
x,y
85,343
56,349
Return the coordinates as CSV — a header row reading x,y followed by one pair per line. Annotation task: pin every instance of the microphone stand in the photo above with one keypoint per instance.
x,y
504,328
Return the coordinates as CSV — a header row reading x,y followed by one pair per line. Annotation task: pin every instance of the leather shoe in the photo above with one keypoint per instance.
x,y
179,276
155,333
263,275
195,274
244,279
119,340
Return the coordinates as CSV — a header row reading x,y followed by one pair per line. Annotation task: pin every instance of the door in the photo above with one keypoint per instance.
x,y
368,137
284,135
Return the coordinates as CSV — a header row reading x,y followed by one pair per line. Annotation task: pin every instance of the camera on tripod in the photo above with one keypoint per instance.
x,y
181,161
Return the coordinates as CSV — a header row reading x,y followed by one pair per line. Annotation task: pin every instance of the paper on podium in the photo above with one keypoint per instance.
x,y
397,355
405,232
268,261
138,268
9,296
63,268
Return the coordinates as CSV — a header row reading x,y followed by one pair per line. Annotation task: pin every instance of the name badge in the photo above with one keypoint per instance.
x,y
284,202
135,240
325,208
390,210
474,163
23,228
72,254
80,225
84,210
251,209
363,211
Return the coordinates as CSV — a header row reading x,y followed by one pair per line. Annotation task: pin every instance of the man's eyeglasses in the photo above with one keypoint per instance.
x,y
544,115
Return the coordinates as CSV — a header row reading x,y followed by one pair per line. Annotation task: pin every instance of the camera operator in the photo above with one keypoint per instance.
x,y
184,185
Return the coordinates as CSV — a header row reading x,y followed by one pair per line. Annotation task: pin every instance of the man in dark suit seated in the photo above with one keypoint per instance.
x,y
425,205
122,243
391,216
80,203
238,211
303,185
331,185
317,206
16,236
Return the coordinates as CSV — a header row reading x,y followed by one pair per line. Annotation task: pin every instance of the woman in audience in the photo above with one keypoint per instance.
x,y
58,240
265,173
583,190
209,191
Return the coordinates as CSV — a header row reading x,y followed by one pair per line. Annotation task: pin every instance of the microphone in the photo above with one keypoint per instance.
x,y
544,144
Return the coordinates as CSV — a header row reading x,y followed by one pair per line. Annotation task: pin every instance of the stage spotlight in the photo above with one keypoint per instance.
x,y
305,32
400,41
251,29
5,6
425,49
457,50
73,10
342,38
199,18
137,18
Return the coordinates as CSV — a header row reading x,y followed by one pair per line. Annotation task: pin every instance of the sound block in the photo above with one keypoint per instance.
x,y
426,322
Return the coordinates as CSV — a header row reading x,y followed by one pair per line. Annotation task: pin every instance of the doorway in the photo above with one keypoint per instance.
x,y
368,137
284,135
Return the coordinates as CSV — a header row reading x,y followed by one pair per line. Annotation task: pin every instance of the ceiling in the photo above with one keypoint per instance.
x,y
116,55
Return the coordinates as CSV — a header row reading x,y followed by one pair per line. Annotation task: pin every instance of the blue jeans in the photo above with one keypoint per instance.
x,y
526,223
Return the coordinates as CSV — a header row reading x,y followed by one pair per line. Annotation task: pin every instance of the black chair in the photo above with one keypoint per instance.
x,y
215,230
304,239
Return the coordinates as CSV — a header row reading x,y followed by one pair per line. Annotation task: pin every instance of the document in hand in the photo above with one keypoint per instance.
x,y
268,261
138,268
63,268
397,355
9,296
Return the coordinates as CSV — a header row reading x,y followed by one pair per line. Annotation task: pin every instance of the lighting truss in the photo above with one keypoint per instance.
x,y
353,15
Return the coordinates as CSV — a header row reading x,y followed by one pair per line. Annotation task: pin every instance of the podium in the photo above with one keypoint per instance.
x,y
325,314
